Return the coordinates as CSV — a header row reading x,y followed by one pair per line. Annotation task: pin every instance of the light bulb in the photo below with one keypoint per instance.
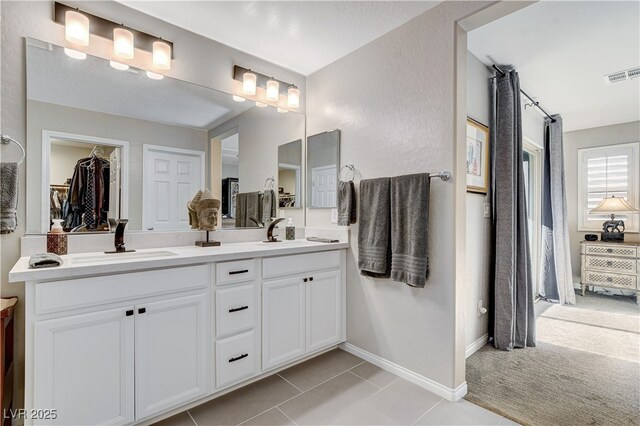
x,y
75,54
293,97
261,104
282,110
119,65
249,83
76,28
273,90
238,98
162,55
154,76
123,43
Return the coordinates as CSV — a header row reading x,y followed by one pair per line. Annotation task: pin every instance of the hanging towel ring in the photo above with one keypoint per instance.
x,y
350,168
269,182
5,140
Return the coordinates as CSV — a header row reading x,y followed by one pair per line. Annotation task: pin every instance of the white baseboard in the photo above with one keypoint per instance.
x,y
439,389
476,346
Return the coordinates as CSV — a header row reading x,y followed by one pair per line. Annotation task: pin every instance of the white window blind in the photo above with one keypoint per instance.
x,y
606,171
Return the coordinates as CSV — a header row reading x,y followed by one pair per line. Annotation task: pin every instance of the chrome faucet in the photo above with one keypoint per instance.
x,y
120,224
270,237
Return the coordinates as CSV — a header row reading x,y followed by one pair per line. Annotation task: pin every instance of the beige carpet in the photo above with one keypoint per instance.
x,y
584,371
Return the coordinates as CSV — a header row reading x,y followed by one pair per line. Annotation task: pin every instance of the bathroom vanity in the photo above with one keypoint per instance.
x,y
124,338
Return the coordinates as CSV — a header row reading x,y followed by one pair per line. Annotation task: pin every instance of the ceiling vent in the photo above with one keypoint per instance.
x,y
619,76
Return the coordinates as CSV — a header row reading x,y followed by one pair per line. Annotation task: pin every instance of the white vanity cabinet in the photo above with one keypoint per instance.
x,y
302,306
119,342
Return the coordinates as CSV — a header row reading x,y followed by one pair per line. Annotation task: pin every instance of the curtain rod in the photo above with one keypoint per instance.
x,y
535,103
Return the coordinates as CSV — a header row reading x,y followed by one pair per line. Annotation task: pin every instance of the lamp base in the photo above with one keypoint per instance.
x,y
612,237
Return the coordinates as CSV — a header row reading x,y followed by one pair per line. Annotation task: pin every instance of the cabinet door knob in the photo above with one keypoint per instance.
x,y
129,312
305,279
311,279
142,310
609,250
609,279
609,263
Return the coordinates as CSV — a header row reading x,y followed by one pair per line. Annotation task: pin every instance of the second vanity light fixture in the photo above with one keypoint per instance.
x,y
273,88
79,25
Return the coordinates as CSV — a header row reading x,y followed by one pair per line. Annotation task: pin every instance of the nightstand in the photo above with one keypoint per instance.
x,y
610,265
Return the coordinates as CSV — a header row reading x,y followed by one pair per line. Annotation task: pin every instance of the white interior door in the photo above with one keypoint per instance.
x,y
324,186
171,178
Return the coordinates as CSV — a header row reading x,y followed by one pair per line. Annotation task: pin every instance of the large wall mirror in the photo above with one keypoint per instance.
x,y
107,143
323,158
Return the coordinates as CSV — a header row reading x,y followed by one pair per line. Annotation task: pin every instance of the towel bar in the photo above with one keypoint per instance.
x,y
445,176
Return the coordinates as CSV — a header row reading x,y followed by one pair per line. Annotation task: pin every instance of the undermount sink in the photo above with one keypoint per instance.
x,y
281,242
134,255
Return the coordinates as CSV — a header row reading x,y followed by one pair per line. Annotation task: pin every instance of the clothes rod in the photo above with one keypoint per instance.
x,y
535,103
445,176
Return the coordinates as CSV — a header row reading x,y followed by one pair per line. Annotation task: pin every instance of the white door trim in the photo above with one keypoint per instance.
x,y
145,152
48,136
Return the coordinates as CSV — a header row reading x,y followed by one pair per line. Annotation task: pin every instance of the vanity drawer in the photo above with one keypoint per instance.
x,y
236,309
86,292
621,251
236,359
612,264
300,263
610,280
237,271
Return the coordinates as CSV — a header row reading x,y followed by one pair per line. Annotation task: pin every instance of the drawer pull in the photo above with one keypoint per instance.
x,y
609,279
609,263
242,271
238,358
241,308
609,250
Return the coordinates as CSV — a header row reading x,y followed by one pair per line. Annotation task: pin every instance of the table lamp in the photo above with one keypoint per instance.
x,y
613,230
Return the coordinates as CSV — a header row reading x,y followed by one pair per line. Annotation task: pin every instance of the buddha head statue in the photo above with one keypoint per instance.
x,y
207,211
191,208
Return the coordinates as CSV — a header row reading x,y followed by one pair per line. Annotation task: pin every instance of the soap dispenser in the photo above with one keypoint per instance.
x,y
57,239
290,230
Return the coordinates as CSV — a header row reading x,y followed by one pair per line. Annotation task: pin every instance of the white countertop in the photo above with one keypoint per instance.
x,y
90,264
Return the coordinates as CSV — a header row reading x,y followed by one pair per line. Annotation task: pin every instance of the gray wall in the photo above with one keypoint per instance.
x,y
197,59
45,116
394,102
589,138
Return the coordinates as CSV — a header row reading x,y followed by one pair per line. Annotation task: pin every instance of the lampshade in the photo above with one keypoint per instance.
x,y
293,97
273,90
76,28
162,55
123,43
613,205
249,83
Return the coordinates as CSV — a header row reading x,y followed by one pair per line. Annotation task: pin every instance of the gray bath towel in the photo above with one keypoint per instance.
x,y
346,203
268,206
374,256
409,222
248,205
8,197
45,260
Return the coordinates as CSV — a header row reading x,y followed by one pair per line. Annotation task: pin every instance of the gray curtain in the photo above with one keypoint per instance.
x,y
513,292
557,277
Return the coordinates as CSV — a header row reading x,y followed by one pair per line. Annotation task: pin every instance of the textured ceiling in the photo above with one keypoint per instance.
x,y
561,51
303,36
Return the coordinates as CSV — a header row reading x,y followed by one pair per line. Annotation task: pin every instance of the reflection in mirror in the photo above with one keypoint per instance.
x,y
290,175
161,141
323,152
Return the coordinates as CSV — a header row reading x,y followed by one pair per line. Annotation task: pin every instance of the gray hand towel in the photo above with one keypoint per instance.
x,y
45,260
346,203
268,206
8,197
241,210
374,256
409,222
254,207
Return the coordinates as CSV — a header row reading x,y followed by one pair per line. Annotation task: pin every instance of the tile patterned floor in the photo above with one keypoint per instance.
x,y
335,388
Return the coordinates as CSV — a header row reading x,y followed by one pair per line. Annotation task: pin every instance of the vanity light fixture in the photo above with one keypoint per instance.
x,y
76,28
238,98
282,110
293,97
123,43
75,54
273,90
261,104
249,80
154,75
119,65
162,55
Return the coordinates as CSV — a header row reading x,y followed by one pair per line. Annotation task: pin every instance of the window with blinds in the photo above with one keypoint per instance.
x,y
606,171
